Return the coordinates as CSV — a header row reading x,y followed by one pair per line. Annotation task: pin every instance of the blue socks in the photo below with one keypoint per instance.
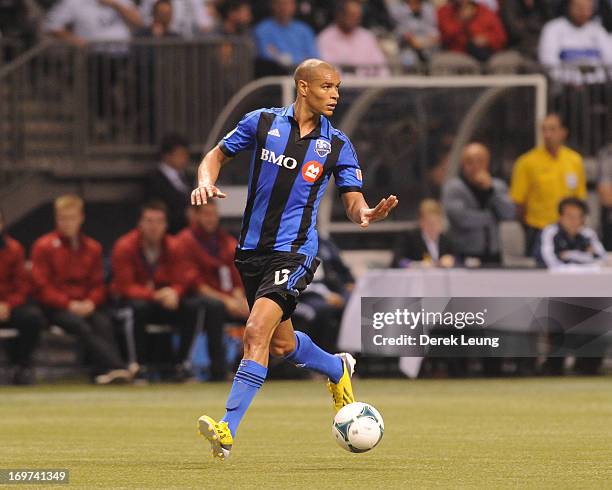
x,y
251,375
249,378
308,355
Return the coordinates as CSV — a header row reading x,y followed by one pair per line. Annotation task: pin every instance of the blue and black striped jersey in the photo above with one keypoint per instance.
x,y
288,176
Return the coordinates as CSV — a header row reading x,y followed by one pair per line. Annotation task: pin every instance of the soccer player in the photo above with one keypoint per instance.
x,y
295,151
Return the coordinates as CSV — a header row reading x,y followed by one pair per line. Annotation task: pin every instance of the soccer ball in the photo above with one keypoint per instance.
x,y
358,427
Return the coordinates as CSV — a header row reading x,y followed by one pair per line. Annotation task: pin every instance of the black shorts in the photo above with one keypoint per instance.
x,y
280,276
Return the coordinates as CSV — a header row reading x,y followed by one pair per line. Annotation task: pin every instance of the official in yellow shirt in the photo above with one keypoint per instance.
x,y
544,176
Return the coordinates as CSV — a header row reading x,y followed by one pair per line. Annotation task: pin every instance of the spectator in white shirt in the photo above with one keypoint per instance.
x,y
82,21
416,30
346,44
575,40
191,18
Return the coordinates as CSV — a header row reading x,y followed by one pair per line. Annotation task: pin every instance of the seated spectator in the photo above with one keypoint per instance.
x,y
569,242
15,312
209,251
349,46
604,190
79,22
376,16
576,40
416,30
469,27
523,21
542,177
282,41
236,18
426,244
190,18
68,278
320,308
170,183
318,14
160,25
475,203
149,276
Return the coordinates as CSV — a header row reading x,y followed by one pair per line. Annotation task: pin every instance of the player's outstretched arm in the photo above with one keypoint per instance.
x,y
359,212
208,172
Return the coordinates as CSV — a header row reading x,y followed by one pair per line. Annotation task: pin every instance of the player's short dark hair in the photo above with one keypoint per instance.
x,y
227,6
171,141
154,205
573,201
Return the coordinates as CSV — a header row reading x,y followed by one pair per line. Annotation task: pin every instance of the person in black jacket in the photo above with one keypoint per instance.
x,y
427,243
170,182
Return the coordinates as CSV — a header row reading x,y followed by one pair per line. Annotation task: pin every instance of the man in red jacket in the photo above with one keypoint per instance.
x,y
68,279
14,312
150,276
209,252
469,27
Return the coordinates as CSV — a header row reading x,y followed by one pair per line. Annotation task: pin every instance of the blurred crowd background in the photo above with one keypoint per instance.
x,y
107,105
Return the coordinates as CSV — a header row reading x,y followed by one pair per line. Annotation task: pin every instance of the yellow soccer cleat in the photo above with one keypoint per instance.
x,y
342,392
219,436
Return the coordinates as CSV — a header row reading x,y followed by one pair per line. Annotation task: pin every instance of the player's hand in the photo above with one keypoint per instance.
x,y
203,193
381,211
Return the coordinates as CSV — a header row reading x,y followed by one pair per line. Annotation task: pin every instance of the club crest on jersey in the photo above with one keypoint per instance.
x,y
322,148
311,171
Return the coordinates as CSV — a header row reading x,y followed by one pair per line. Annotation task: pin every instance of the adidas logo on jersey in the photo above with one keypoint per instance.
x,y
274,132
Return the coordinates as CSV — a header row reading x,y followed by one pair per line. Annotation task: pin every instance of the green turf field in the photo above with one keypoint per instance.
x,y
472,433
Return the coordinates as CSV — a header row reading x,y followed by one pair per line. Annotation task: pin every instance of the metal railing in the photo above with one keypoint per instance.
x,y
60,102
582,95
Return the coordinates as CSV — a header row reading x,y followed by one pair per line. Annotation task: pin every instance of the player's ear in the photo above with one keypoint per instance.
x,y
302,88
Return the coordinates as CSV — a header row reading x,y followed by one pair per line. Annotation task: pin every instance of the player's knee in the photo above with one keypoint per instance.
x,y
255,334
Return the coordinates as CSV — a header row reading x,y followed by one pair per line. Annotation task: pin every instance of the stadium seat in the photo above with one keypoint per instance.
x,y
510,62
451,63
512,239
